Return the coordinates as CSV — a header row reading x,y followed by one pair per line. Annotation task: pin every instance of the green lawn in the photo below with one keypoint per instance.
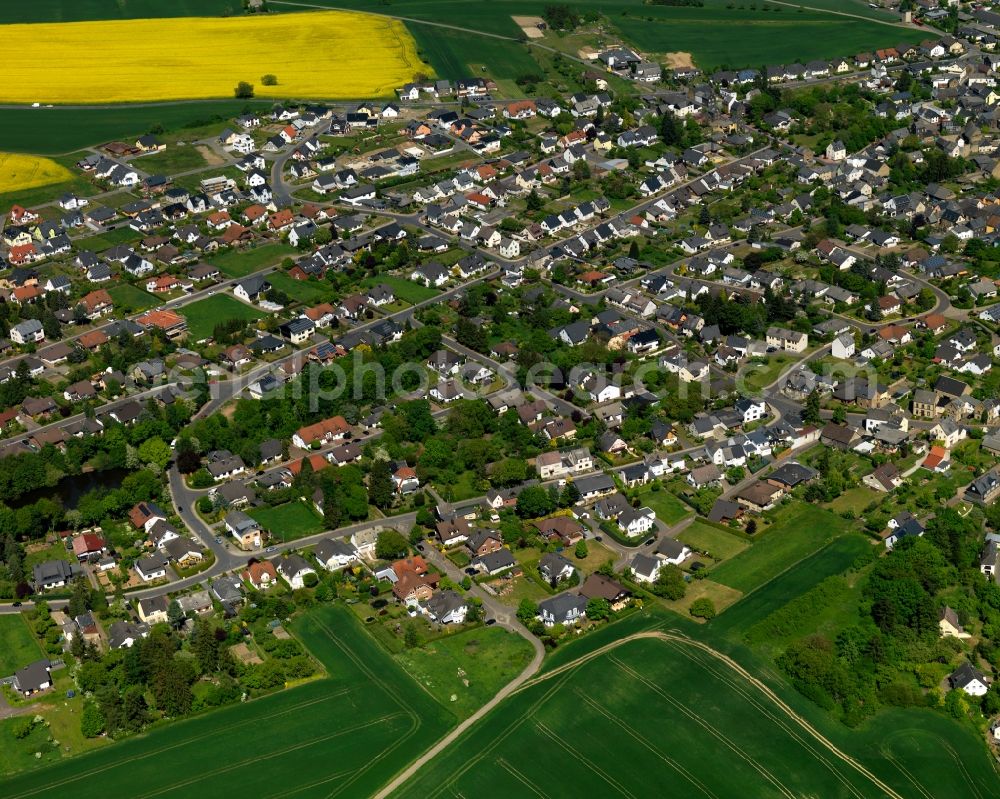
x,y
486,658
341,735
240,263
308,292
798,530
202,316
456,53
289,521
667,507
656,718
404,289
108,239
51,552
18,645
825,609
172,160
464,488
855,499
711,540
756,376
131,299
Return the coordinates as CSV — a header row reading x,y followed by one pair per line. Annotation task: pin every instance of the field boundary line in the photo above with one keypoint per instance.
x,y
891,758
886,22
788,568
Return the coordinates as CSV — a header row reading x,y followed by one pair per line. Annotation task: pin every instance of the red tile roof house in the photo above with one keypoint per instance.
x,y
326,431
260,574
88,545
162,283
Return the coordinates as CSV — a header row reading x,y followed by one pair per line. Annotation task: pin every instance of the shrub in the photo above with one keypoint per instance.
x,y
702,608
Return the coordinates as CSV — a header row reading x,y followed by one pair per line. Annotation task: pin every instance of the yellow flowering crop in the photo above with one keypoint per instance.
x,y
325,54
19,171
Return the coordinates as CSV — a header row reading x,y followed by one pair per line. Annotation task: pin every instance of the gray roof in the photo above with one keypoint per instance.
x,y
552,563
52,571
33,676
120,631
495,561
443,603
329,547
227,589
152,563
644,564
669,547
792,473
560,605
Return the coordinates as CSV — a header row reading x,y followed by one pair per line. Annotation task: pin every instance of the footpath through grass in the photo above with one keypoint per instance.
x,y
341,735
466,670
664,712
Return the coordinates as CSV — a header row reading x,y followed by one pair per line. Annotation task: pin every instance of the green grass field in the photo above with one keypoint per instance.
x,y
798,531
18,646
337,736
455,53
711,540
77,10
405,290
202,316
834,558
108,239
718,36
50,131
289,521
240,263
308,292
855,499
172,160
487,657
713,34
132,299
667,507
656,718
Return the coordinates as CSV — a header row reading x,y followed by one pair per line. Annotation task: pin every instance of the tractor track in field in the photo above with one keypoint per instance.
x,y
670,637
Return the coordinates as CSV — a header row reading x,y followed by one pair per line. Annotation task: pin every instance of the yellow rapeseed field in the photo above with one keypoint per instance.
x,y
18,171
323,54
